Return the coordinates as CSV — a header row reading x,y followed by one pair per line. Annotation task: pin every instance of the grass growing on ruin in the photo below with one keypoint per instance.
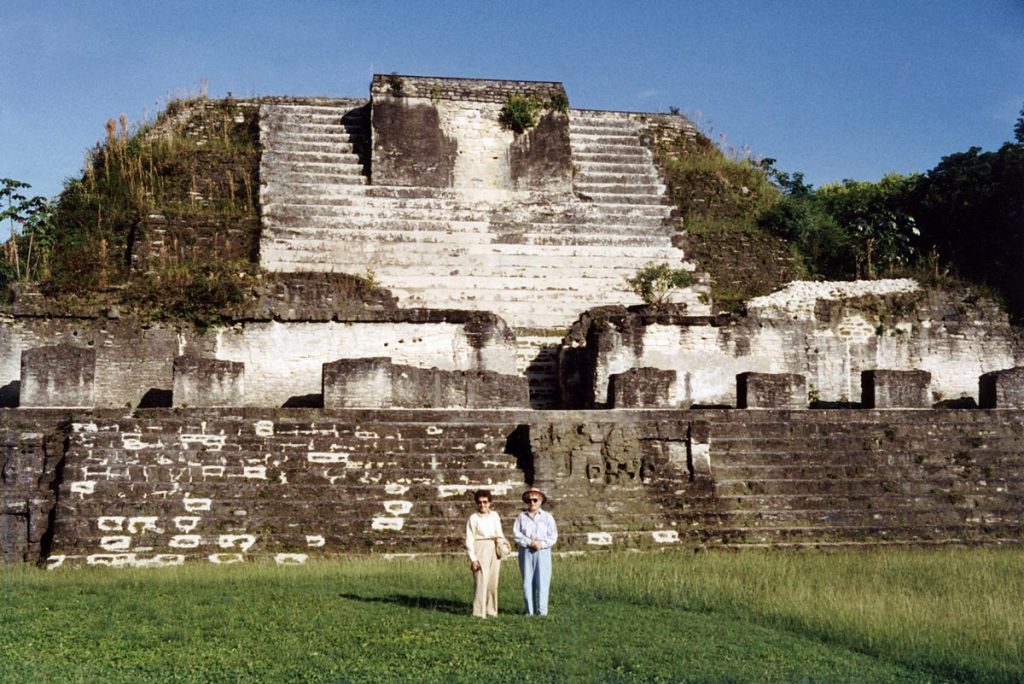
x,y
872,616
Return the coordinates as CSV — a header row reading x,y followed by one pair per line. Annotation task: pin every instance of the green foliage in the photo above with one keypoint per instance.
x,y
559,102
655,283
971,214
201,294
914,616
199,157
715,187
852,229
520,113
707,184
1018,128
878,227
31,221
395,84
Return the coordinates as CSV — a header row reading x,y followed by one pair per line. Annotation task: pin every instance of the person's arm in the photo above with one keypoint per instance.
x,y
518,534
470,538
549,531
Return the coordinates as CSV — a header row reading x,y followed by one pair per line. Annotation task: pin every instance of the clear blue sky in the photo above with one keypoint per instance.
x,y
835,89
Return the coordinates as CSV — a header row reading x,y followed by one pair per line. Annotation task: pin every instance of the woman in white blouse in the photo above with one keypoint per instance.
x,y
482,532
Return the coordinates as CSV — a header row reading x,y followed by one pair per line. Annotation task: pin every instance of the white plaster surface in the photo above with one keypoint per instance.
x,y
830,354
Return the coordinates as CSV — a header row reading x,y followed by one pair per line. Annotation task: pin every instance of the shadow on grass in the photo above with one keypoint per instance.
x,y
425,602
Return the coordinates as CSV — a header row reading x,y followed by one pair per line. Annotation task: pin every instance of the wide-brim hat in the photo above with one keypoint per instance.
x,y
534,490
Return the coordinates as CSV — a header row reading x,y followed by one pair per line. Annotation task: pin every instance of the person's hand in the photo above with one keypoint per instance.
x,y
535,545
475,566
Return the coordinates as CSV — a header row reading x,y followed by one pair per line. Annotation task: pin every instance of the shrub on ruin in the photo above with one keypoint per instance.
x,y
559,102
520,112
655,283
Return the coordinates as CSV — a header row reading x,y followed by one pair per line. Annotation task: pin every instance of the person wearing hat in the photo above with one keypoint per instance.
x,y
535,533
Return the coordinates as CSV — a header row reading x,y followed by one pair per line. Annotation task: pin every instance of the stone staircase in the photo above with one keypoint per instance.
x,y
537,260
872,478
612,167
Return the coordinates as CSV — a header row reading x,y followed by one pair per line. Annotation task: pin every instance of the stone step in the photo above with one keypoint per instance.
x,y
615,156
277,166
581,138
320,179
628,198
411,254
635,188
392,276
812,535
297,136
612,275
279,219
535,310
315,193
863,502
276,214
319,105
307,147
482,285
456,233
588,121
852,486
354,118
621,169
321,133
646,176
309,156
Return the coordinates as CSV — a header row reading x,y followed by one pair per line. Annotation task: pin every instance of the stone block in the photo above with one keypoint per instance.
x,y
771,390
358,383
415,387
541,158
642,388
409,145
884,389
486,389
208,383
14,547
61,376
1002,389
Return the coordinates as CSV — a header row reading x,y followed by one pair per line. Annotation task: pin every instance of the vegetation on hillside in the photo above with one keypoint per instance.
x,y
199,158
963,219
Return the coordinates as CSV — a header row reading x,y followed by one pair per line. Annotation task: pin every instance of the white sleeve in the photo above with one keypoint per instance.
x,y
470,539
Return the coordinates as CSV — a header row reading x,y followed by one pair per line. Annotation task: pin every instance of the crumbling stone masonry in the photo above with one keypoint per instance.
x,y
227,486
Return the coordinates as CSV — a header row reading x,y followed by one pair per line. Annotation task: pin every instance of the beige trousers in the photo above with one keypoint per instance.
x,y
485,580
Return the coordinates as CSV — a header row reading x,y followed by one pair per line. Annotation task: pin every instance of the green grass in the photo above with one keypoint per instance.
x,y
874,616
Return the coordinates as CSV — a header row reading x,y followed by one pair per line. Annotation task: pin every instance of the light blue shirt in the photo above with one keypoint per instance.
x,y
540,527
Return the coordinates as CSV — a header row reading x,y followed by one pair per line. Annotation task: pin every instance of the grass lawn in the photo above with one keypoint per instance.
x,y
879,616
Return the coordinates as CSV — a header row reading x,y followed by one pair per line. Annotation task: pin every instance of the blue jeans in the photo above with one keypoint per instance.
x,y
536,569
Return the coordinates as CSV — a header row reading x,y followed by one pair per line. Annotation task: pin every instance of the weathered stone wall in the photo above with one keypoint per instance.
x,y
465,89
228,486
440,133
31,453
409,145
282,359
828,338
165,240
378,383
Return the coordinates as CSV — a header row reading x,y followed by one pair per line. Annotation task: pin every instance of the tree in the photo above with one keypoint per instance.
x,y
880,229
35,216
1018,128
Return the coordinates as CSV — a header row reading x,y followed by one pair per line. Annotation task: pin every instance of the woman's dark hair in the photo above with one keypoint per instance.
x,y
482,494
